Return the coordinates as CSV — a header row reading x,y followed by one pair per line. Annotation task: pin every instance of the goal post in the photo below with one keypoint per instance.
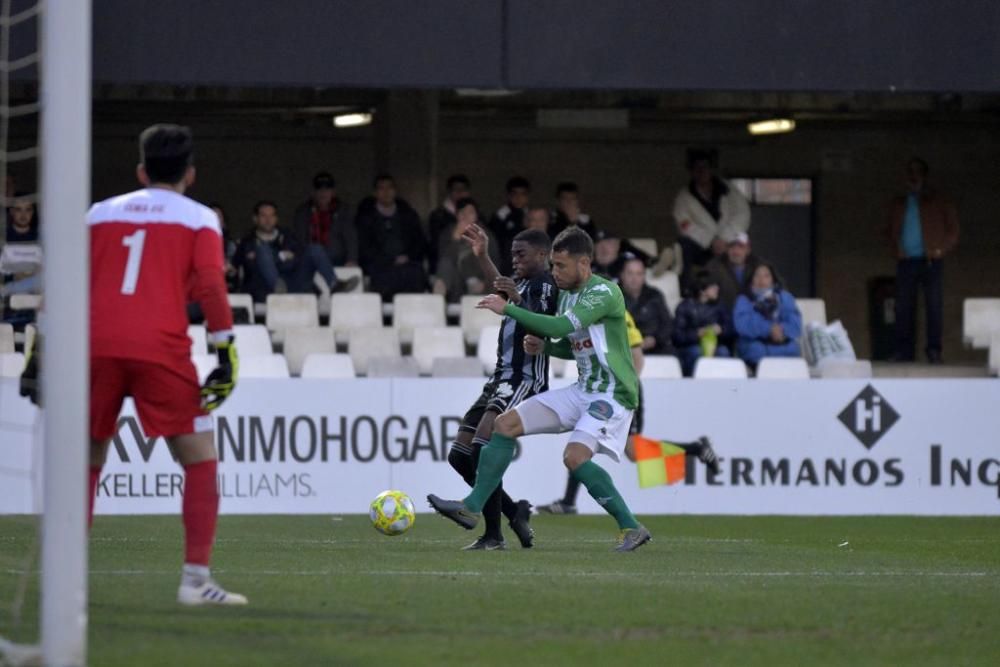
x,y
65,78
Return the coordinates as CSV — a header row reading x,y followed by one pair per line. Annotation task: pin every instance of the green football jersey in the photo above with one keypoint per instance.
x,y
600,340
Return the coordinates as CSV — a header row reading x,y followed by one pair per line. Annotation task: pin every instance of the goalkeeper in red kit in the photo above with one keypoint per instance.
x,y
149,250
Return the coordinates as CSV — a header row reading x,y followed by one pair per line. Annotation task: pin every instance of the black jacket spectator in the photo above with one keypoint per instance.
x,y
339,239
253,283
505,224
653,318
693,315
391,248
561,222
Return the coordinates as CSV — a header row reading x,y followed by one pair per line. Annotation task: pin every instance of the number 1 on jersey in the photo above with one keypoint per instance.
x,y
134,244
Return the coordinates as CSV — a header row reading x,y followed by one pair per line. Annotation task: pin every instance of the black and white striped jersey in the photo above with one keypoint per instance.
x,y
539,295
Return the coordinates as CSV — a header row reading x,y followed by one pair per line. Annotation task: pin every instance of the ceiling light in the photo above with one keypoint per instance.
x,y
772,126
352,120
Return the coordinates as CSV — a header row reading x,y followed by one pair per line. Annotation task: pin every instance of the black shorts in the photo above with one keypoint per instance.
x,y
635,428
496,397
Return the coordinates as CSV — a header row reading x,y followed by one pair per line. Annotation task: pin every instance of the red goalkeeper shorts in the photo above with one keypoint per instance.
x,y
167,398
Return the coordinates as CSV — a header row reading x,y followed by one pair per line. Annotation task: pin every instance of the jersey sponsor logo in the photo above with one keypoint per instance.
x,y
504,390
600,410
580,345
600,287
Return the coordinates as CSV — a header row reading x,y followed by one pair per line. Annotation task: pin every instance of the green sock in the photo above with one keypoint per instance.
x,y
494,458
602,489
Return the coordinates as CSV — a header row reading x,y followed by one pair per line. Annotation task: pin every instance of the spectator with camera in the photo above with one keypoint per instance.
x,y
766,319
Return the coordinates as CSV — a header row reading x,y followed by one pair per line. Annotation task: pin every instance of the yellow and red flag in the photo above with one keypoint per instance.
x,y
658,461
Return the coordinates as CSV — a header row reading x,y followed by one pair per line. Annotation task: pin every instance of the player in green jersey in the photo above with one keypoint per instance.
x,y
589,327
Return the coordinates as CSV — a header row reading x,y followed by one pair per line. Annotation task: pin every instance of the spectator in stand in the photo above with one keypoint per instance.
x,y
567,213
648,308
391,242
703,326
923,227
731,270
509,220
708,212
269,253
21,257
766,319
611,251
459,270
325,221
443,217
538,218
228,250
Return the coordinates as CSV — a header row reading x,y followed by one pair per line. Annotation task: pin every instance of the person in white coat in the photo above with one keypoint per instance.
x,y
709,212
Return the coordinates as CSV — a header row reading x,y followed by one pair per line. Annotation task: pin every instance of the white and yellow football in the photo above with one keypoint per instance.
x,y
392,513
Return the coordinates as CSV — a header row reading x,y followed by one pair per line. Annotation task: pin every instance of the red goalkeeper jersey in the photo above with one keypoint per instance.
x,y
152,251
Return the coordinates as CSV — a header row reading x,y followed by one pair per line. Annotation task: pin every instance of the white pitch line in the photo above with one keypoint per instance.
x,y
567,573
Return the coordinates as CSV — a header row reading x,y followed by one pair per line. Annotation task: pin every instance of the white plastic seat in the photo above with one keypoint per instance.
x,y
242,302
646,244
783,368
416,310
303,341
353,311
368,342
669,284
328,366
199,339
456,367
812,310
205,364
432,342
980,318
252,340
472,319
285,311
270,366
25,301
486,347
6,338
348,272
663,366
843,368
11,364
393,367
719,368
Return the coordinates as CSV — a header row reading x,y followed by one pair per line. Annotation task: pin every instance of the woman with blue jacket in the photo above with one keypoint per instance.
x,y
767,320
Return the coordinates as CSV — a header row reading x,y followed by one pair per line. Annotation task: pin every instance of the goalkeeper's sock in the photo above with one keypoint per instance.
x,y
95,478
493,461
195,575
200,510
572,490
602,489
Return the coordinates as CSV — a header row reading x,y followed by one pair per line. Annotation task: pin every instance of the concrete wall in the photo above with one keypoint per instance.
x,y
628,179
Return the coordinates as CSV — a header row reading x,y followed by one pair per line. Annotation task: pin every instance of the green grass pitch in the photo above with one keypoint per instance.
x,y
707,591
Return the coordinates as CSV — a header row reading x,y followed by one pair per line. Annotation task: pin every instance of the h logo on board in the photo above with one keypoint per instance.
x,y
869,416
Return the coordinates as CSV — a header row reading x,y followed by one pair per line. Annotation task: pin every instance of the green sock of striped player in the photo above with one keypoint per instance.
x,y
494,458
602,489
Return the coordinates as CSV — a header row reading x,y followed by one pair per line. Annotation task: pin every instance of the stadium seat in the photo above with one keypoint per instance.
x,y
456,367
645,244
431,342
994,359
352,311
328,366
369,342
719,368
303,341
242,302
669,284
252,340
290,310
270,366
812,310
783,368
416,310
472,319
843,368
6,338
393,367
199,339
980,317
11,364
204,364
486,347
663,366
25,301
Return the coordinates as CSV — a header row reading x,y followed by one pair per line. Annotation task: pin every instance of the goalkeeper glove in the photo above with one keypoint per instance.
x,y
29,376
222,380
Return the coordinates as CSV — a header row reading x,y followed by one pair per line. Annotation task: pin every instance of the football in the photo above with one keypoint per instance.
x,y
392,513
